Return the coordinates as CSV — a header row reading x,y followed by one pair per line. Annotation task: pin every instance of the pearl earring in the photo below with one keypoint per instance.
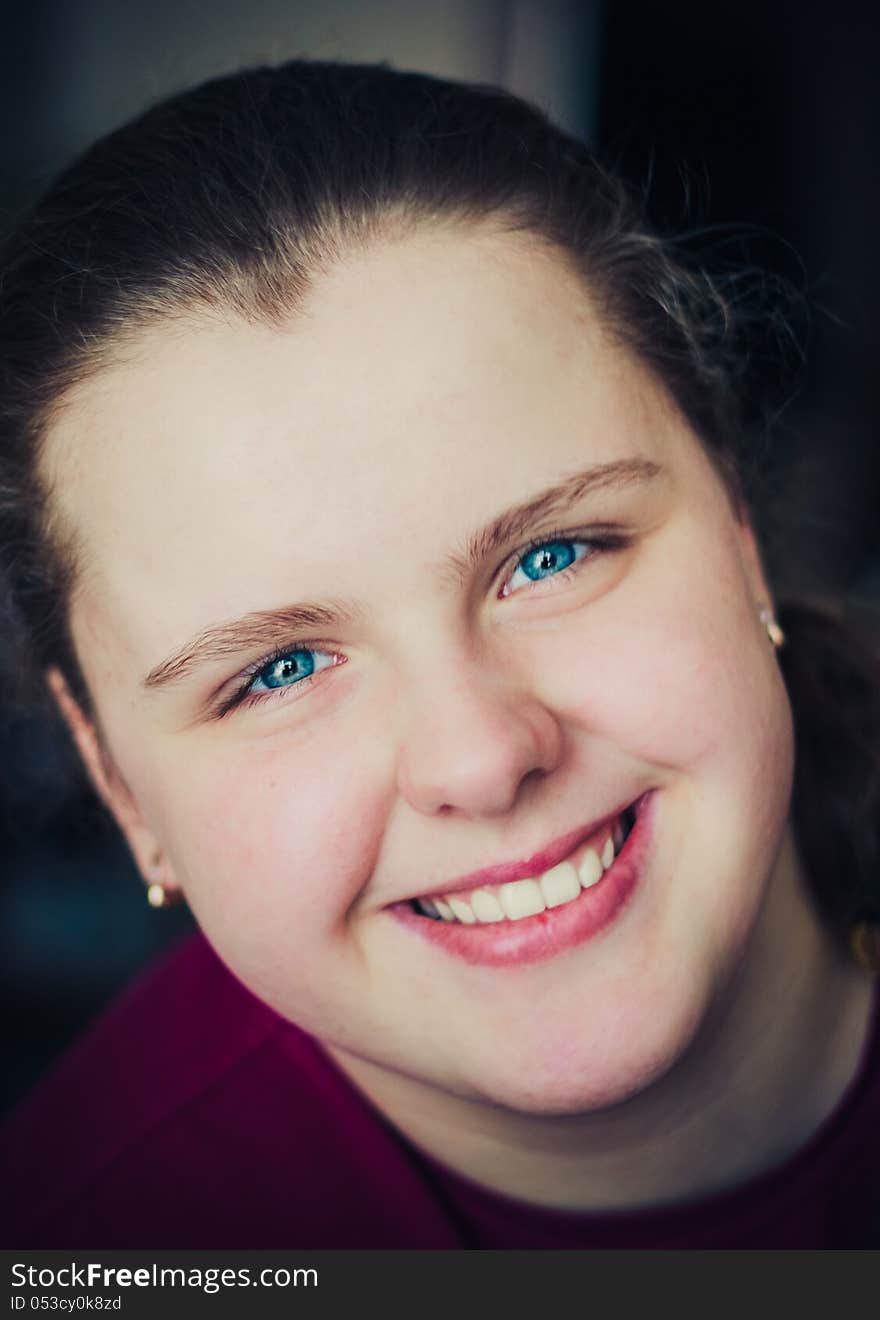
x,y
157,895
864,942
774,632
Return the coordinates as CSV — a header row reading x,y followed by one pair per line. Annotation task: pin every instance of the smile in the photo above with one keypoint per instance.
x,y
533,912
559,885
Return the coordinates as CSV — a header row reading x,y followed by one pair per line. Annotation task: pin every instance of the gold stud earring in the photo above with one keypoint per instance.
x,y
773,630
157,895
864,942
160,897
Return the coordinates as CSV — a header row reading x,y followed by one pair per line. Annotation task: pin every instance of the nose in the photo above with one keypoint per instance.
x,y
469,744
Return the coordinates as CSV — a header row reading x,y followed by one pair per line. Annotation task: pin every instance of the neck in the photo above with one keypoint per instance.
x,y
776,1051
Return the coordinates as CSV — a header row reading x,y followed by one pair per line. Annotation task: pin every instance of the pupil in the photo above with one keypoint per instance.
x,y
299,664
547,559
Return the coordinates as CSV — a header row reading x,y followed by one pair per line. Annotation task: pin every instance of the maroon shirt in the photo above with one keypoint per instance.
x,y
193,1116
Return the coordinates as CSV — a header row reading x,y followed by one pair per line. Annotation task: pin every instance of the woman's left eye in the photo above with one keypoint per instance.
x,y
548,559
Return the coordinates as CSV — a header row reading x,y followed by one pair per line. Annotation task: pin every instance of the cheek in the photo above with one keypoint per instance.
x,y
672,679
270,841
673,666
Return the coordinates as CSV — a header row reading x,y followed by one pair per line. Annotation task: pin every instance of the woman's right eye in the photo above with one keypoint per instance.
x,y
288,669
274,678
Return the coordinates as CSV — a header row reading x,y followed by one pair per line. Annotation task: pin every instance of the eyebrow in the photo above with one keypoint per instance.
x,y
261,629
514,523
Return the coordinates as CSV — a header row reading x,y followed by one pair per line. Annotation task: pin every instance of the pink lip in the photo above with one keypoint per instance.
x,y
517,943
535,865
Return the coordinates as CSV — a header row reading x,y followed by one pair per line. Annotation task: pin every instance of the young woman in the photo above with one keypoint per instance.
x,y
375,501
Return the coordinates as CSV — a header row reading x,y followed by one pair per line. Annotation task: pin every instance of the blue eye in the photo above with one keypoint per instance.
x,y
546,560
289,669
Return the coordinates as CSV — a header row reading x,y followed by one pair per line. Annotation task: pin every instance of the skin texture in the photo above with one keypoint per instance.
x,y
428,385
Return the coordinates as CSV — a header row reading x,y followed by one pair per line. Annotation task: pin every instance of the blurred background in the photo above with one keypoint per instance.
x,y
760,113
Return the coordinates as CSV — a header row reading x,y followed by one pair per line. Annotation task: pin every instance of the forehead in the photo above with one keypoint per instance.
x,y
422,385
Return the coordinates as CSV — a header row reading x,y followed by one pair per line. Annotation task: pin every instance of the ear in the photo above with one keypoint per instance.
x,y
753,564
146,849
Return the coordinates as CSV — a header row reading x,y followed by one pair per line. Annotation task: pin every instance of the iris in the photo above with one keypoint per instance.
x,y
547,559
287,669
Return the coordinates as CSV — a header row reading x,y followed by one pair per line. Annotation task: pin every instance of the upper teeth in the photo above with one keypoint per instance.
x,y
525,898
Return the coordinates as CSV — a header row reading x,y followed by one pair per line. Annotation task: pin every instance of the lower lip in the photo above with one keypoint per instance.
x,y
533,939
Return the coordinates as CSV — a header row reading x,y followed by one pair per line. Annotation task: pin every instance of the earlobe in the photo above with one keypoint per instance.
x,y
754,565
110,786
760,589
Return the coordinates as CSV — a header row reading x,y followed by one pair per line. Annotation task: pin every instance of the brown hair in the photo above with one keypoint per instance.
x,y
238,193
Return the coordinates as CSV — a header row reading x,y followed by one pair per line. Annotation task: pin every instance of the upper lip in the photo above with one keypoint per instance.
x,y
530,867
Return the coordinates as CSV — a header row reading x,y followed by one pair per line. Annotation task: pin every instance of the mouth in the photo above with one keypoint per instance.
x,y
516,900
534,917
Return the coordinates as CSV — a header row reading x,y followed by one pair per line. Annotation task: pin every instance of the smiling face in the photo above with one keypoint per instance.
x,y
504,594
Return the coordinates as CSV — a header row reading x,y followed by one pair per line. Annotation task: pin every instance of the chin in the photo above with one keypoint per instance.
x,y
567,1078
579,1092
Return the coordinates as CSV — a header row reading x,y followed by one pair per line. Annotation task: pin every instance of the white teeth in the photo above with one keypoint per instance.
x,y
462,910
526,898
560,885
486,906
521,898
590,869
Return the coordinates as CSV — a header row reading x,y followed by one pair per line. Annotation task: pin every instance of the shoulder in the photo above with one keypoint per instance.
x,y
194,1116
182,1026
181,1041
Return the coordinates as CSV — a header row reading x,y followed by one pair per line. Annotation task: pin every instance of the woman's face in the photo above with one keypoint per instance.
x,y
468,672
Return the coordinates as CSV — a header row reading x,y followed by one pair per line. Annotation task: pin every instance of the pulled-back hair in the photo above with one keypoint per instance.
x,y
236,196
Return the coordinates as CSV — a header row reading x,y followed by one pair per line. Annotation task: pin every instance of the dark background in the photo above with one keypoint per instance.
x,y
765,114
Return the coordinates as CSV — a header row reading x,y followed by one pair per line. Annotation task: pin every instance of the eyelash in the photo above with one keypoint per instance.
x,y
602,540
243,699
